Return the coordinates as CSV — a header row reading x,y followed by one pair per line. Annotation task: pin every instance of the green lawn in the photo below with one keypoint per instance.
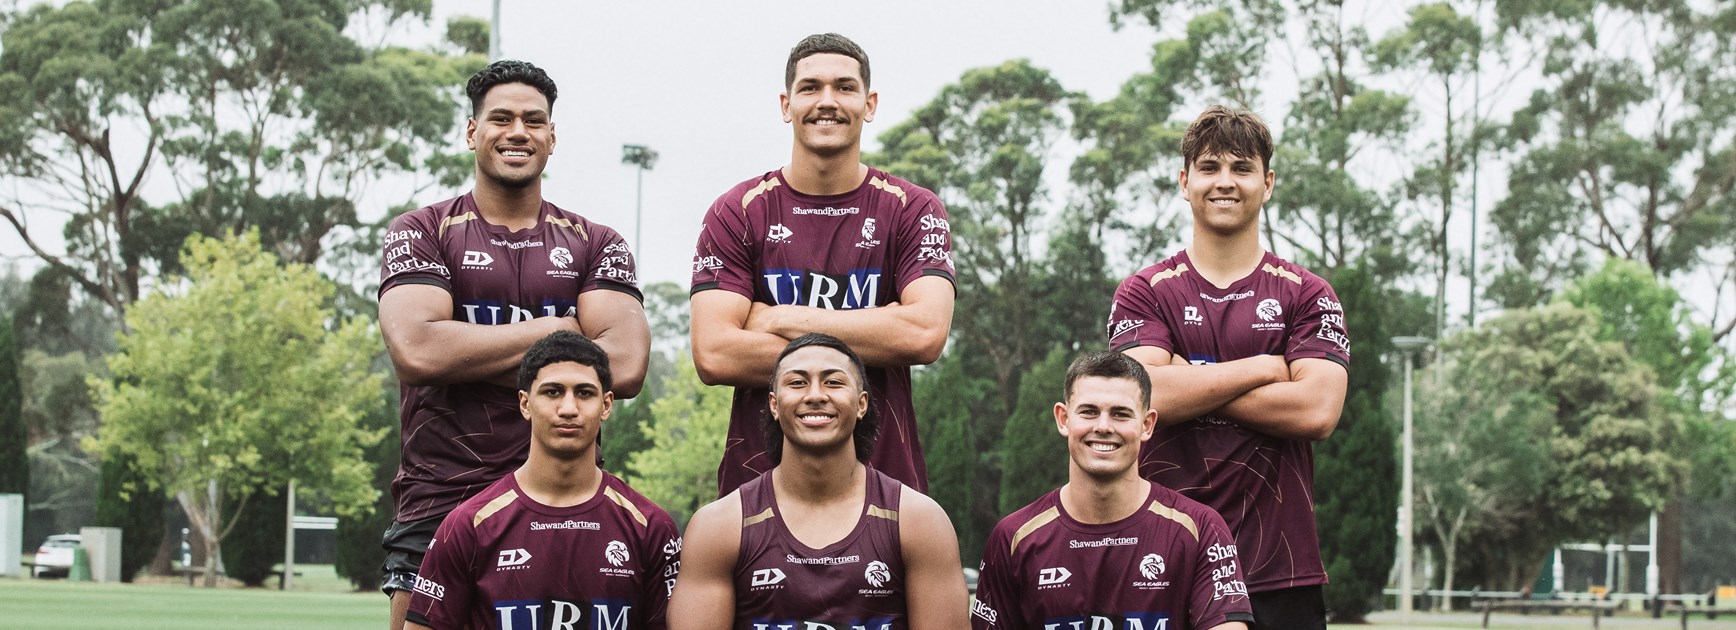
x,y
77,605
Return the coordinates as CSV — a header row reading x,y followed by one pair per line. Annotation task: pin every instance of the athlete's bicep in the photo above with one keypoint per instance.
x,y
935,591
704,597
406,312
616,321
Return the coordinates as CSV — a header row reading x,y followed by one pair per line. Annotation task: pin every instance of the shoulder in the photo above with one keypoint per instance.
x,y
1023,522
586,229
1196,517
910,196
476,510
1297,278
752,193
433,215
635,507
1149,279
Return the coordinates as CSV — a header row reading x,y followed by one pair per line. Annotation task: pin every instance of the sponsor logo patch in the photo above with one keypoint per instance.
x,y
510,559
561,257
766,577
779,234
1053,577
477,259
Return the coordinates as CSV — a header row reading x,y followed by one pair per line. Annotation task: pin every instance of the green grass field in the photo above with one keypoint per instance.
x,y
33,604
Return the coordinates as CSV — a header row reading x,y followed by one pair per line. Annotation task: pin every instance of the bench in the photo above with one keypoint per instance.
x,y
1707,606
1599,608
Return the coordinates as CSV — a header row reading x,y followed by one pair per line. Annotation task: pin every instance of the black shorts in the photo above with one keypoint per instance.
x,y
405,544
1299,608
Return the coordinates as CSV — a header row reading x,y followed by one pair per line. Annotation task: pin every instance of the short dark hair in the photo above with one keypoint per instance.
x,y
1109,364
562,347
867,429
1221,129
508,71
825,43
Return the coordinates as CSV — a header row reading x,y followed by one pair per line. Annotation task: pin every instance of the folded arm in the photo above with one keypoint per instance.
x,y
911,331
428,347
1306,406
616,321
1181,391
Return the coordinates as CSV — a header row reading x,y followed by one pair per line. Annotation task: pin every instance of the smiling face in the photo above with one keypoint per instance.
x,y
1226,191
566,407
817,398
511,135
1105,420
827,103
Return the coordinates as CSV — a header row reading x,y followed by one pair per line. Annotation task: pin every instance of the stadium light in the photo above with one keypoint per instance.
x,y
1407,510
646,159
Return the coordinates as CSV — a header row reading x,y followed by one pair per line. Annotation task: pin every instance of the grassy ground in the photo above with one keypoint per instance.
x,y
321,601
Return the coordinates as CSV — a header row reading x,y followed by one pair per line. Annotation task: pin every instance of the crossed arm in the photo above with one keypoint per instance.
x,y
429,347
1298,400
736,341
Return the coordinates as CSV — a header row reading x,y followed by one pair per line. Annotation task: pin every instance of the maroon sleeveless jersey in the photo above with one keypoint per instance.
x,y
1262,485
502,560
1170,566
459,438
856,583
774,245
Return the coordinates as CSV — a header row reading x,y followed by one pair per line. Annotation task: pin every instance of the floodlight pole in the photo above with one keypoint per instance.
x,y
494,34
646,159
289,541
1407,507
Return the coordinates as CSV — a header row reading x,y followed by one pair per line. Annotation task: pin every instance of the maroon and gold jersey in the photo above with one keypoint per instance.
x,y
1262,485
856,583
459,438
501,560
774,245
1170,566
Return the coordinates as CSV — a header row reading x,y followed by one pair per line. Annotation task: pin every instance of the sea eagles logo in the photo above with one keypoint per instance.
x,y
1269,309
561,257
878,574
1151,566
868,228
779,234
616,552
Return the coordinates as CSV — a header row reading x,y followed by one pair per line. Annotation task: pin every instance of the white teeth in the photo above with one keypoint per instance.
x,y
516,153
1102,448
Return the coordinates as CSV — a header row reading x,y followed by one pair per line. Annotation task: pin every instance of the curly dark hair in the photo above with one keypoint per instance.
x,y
867,429
508,71
561,347
824,43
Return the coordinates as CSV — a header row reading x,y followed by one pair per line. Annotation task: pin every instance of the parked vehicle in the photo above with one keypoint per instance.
x,y
55,555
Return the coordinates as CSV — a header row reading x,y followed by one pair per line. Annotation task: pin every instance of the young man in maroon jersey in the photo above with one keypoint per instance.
x,y
1109,549
559,543
1247,354
820,542
825,244
466,285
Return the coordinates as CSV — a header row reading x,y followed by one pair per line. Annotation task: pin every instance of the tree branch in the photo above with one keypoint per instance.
x,y
54,261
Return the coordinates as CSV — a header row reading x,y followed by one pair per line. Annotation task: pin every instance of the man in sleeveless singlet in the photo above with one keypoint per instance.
x,y
825,244
466,285
1109,549
1247,354
559,542
821,541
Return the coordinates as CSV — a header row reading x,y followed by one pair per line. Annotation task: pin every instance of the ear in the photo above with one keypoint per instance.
x,y
1148,425
470,133
1271,179
1061,418
524,404
784,105
862,404
608,406
551,137
1181,182
873,103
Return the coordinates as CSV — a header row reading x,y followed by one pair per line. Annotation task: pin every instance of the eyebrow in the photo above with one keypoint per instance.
x,y
511,112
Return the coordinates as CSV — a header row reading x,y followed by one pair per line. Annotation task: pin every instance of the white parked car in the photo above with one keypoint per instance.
x,y
55,555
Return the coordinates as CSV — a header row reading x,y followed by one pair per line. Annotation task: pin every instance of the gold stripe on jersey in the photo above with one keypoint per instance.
x,y
758,518
1168,273
1036,522
883,185
1282,273
580,228
761,189
496,505
451,221
1177,516
628,505
890,515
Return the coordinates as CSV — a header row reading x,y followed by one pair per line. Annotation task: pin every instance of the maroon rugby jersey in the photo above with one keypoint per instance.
x,y
774,245
1262,485
856,583
1169,566
502,560
459,438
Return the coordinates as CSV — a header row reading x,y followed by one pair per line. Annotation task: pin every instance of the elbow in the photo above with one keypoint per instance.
x,y
1320,425
415,371
926,347
628,385
711,367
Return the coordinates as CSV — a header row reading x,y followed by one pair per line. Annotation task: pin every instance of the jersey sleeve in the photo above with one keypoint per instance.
x,y
995,604
723,258
410,253
445,582
1219,592
612,265
1135,317
1317,331
663,546
928,249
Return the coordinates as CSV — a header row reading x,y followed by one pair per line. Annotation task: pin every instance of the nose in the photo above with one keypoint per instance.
x,y
828,98
569,405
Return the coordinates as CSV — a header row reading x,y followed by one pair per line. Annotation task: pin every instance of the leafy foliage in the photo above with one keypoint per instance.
x,y
679,471
123,501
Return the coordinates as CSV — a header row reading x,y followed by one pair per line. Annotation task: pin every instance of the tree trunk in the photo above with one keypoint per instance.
x,y
1670,546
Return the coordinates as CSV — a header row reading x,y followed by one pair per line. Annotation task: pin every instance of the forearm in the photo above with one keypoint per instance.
x,y
1181,392
1292,410
447,352
894,335
736,357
